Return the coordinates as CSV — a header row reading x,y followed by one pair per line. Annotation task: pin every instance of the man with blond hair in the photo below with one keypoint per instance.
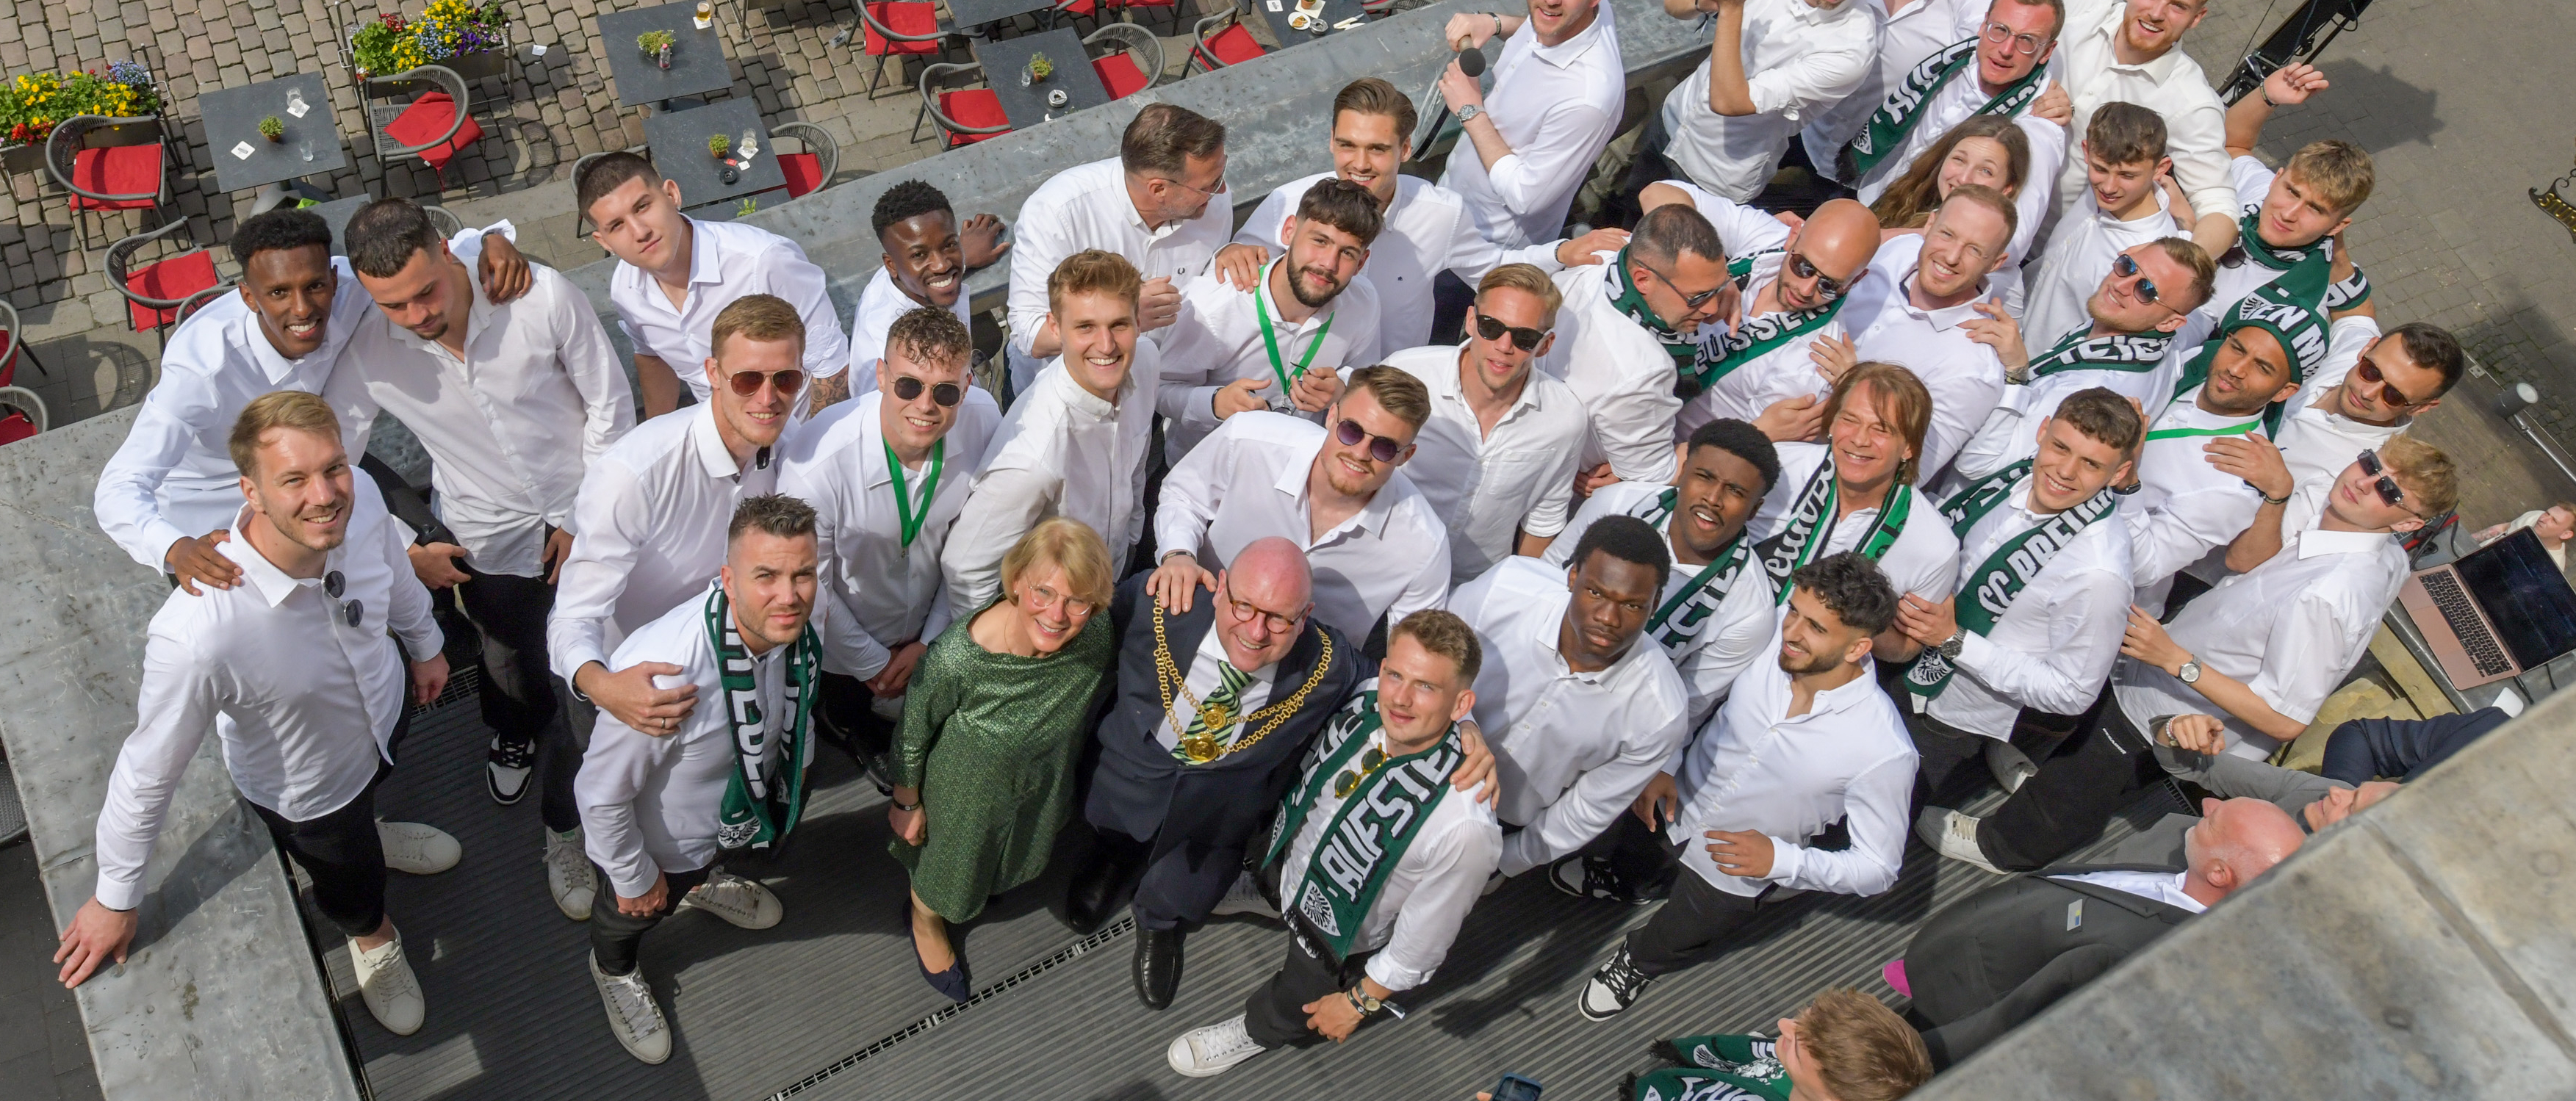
x,y
1844,1046
302,672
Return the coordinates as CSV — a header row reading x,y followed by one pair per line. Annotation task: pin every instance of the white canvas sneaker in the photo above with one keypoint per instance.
x,y
632,1015
1244,897
417,849
1954,835
568,874
1213,1050
386,984
747,905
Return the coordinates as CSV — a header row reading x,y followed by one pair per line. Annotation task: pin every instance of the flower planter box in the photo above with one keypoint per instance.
x,y
487,51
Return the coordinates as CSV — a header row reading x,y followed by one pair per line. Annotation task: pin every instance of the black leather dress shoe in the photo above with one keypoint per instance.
x,y
1092,896
1158,966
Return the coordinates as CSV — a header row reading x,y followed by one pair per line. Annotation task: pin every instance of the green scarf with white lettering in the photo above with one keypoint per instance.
x,y
2300,330
764,795
1632,302
1716,1068
1810,527
1896,118
1385,801
1990,588
2133,353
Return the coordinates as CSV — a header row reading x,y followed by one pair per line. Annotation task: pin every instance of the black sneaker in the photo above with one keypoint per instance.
x,y
1592,877
1613,988
506,767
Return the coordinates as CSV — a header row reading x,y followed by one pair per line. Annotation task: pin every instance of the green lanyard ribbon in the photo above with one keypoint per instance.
x,y
1270,339
910,520
2176,433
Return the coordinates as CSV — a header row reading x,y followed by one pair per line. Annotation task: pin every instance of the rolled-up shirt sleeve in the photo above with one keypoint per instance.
x,y
609,519
1876,802
1451,883
2196,139
177,705
1567,141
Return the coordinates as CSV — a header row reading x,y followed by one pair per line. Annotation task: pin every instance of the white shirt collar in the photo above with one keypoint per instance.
x,y
710,447
273,584
706,258
1292,481
1944,319
2318,541
1565,54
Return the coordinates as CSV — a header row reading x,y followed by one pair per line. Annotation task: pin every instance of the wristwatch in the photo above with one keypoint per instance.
x,y
2190,671
1467,112
1951,647
1361,1001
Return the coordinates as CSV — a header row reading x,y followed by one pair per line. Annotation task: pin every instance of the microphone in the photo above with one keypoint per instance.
x,y
1470,62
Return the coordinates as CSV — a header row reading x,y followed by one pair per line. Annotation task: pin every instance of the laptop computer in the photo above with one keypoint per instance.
x,y
2497,611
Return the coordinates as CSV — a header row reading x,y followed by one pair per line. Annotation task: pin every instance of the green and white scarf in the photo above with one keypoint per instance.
x,y
1385,801
2273,308
1717,1068
2304,273
2349,294
765,794
1896,118
1990,588
1810,527
2133,353
1758,337
1632,302
1677,621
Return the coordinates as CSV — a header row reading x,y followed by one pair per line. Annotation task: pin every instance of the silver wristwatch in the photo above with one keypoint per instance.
x,y
2190,671
1951,647
1468,112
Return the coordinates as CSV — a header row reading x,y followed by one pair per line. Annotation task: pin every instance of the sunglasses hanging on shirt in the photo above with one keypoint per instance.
x,y
351,610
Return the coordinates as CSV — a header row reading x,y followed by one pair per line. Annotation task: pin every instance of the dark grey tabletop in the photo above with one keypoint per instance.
x,y
973,14
679,143
336,214
1005,61
312,142
1335,11
698,61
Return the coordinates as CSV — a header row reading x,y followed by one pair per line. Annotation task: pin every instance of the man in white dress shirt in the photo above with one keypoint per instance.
x,y
1805,741
513,404
301,671
2145,296
2193,490
2045,568
1377,547
1309,313
1074,443
928,252
2372,387
166,494
662,807
2128,51
1908,32
1630,326
887,475
1796,284
1358,935
676,274
1856,492
2124,205
2000,67
649,522
1498,456
1922,304
1773,66
1155,203
1559,87
1580,710
2262,651
2289,224
1428,229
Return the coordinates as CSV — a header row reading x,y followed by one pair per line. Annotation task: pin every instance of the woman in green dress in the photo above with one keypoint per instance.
x,y
983,766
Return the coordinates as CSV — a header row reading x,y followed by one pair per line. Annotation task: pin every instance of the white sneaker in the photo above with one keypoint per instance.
x,y
632,1015
417,849
568,874
1244,897
1954,835
1211,1051
747,905
386,984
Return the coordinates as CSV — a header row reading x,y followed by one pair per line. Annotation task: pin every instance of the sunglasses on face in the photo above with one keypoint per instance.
x,y
1381,448
1694,301
946,394
2125,266
2388,488
747,383
1827,288
2389,395
1525,339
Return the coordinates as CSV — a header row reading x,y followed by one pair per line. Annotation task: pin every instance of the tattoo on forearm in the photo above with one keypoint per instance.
x,y
835,388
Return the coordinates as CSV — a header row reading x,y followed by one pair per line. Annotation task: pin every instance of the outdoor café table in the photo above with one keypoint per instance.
x,y
678,140
1004,61
972,16
311,146
1335,11
698,62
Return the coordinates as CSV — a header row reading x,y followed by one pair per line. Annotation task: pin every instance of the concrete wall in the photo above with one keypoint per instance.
x,y
2424,949
220,998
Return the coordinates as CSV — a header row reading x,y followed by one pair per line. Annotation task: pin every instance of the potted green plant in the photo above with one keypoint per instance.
x,y
656,45
1040,68
272,128
719,145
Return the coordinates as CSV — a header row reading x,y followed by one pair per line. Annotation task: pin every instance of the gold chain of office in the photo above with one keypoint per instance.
x,y
1202,748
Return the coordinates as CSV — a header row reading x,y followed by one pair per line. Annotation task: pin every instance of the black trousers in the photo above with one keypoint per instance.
x,y
1275,1014
518,693
345,857
1170,892
1696,923
1645,861
2072,796
1945,754
559,760
848,711
614,934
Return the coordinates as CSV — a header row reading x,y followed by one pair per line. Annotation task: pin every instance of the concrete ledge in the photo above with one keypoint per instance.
x,y
2425,949
220,998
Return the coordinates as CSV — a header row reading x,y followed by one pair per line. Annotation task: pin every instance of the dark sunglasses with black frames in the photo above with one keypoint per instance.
x,y
1827,287
1381,448
1523,338
2125,266
2388,488
945,394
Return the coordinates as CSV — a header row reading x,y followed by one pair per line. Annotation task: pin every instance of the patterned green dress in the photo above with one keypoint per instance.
x,y
990,741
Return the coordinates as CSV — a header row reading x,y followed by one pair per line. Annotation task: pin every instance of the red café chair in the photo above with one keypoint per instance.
x,y
22,413
155,292
434,127
108,164
811,169
898,29
1220,40
963,116
1118,69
